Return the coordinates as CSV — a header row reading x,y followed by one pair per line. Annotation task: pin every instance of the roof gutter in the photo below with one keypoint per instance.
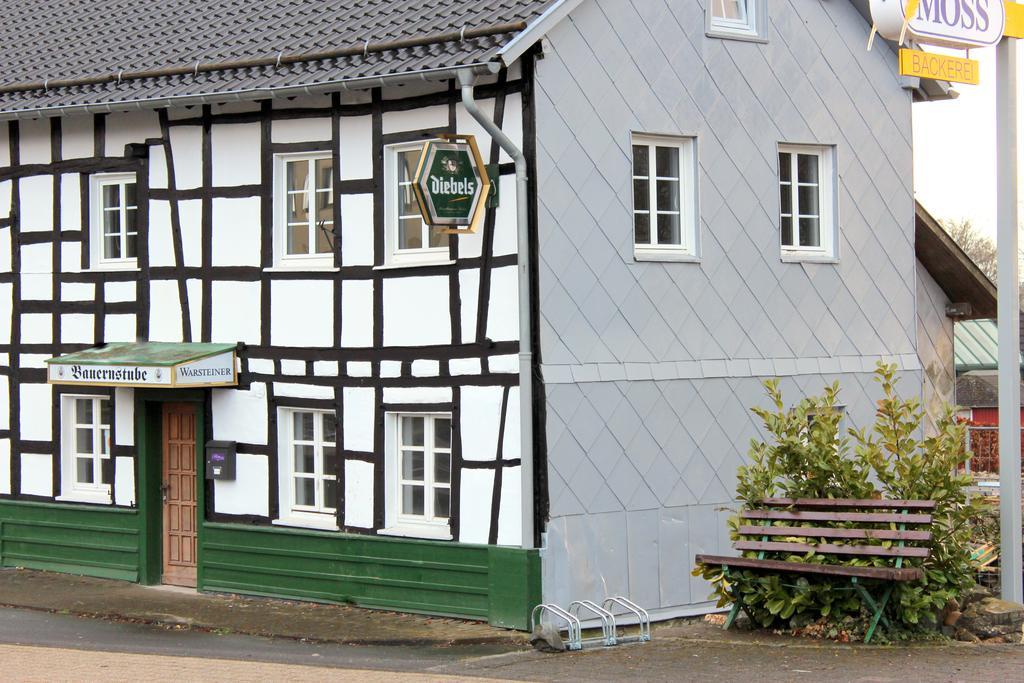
x,y
250,94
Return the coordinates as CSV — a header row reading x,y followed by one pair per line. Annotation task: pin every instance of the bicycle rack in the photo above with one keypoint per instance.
x,y
642,617
572,623
608,630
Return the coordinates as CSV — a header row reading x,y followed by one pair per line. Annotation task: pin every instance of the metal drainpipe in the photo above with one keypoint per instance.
x,y
466,80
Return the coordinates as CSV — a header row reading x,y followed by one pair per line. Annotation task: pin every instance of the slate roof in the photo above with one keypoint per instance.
x,y
50,39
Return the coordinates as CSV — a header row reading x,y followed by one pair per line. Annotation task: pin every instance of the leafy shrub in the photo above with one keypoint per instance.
x,y
808,456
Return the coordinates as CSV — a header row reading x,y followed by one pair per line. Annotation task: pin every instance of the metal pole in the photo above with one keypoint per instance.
x,y
466,80
1009,322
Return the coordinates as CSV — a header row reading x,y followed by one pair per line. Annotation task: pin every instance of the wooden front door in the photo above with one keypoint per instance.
x,y
179,493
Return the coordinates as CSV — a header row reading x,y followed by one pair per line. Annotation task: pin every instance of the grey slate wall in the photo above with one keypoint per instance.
x,y
935,348
651,367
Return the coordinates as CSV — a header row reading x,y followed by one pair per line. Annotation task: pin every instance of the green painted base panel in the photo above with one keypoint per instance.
x,y
499,585
77,539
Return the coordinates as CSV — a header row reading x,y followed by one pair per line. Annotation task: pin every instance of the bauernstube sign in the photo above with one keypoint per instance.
x,y
213,371
950,23
451,183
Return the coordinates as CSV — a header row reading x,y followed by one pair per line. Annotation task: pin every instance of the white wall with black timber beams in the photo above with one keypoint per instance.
x,y
650,368
357,339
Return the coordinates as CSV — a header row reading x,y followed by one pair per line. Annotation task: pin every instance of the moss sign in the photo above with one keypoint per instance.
x,y
451,183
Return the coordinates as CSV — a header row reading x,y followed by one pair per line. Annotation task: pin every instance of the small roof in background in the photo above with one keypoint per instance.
x,y
975,345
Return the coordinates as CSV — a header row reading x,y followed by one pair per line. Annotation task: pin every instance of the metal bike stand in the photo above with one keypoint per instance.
x,y
607,622
574,641
642,617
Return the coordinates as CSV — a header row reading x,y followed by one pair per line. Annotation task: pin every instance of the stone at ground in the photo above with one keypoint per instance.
x,y
992,618
975,593
966,636
546,638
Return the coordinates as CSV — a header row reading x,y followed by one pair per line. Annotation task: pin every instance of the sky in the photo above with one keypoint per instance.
x,y
954,150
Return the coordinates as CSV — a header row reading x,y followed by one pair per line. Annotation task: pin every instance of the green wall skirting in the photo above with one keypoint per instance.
x,y
78,539
500,585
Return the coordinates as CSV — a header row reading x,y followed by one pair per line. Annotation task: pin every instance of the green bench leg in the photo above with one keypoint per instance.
x,y
878,607
737,604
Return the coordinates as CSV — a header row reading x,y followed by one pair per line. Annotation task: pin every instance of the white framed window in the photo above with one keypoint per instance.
x,y
408,240
664,198
114,225
418,472
807,201
308,468
304,234
739,19
85,446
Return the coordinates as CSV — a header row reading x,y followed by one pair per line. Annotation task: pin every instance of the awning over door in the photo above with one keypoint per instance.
x,y
147,364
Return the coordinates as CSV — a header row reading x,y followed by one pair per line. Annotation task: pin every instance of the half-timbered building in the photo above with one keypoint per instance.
x,y
233,356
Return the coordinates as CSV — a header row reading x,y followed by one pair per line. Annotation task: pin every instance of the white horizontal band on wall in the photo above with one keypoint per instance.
x,y
706,369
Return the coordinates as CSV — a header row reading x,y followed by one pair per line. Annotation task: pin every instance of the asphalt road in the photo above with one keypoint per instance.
x,y
37,646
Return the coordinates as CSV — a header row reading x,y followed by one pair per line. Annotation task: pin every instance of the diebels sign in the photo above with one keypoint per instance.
x,y
451,183
951,23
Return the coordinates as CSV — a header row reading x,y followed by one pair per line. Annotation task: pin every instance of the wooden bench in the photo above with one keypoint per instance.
x,y
834,528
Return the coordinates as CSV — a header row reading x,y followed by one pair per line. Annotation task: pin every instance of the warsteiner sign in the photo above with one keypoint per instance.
x,y
950,23
451,183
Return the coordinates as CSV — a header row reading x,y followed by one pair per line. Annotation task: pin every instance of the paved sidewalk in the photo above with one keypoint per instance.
x,y
179,607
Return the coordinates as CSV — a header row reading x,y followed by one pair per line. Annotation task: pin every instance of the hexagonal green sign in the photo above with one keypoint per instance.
x,y
451,183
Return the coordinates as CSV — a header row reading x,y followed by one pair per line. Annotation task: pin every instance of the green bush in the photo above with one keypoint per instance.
x,y
808,456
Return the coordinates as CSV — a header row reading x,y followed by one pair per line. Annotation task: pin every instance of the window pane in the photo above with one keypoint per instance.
x,y
131,246
105,442
305,459
809,233
111,196
111,222
787,231
324,206
412,431
298,239
808,198
729,9
437,238
407,204
104,412
129,195
807,168
84,471
410,233
83,440
330,461
412,500
83,410
641,160
668,195
667,162
786,199
112,247
303,426
330,494
305,492
298,174
324,237
442,502
785,169
130,220
442,468
641,195
298,208
407,162
642,228
324,173
330,427
412,465
442,433
668,229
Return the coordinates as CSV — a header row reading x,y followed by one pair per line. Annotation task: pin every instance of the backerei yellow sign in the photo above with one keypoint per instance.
x,y
938,67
